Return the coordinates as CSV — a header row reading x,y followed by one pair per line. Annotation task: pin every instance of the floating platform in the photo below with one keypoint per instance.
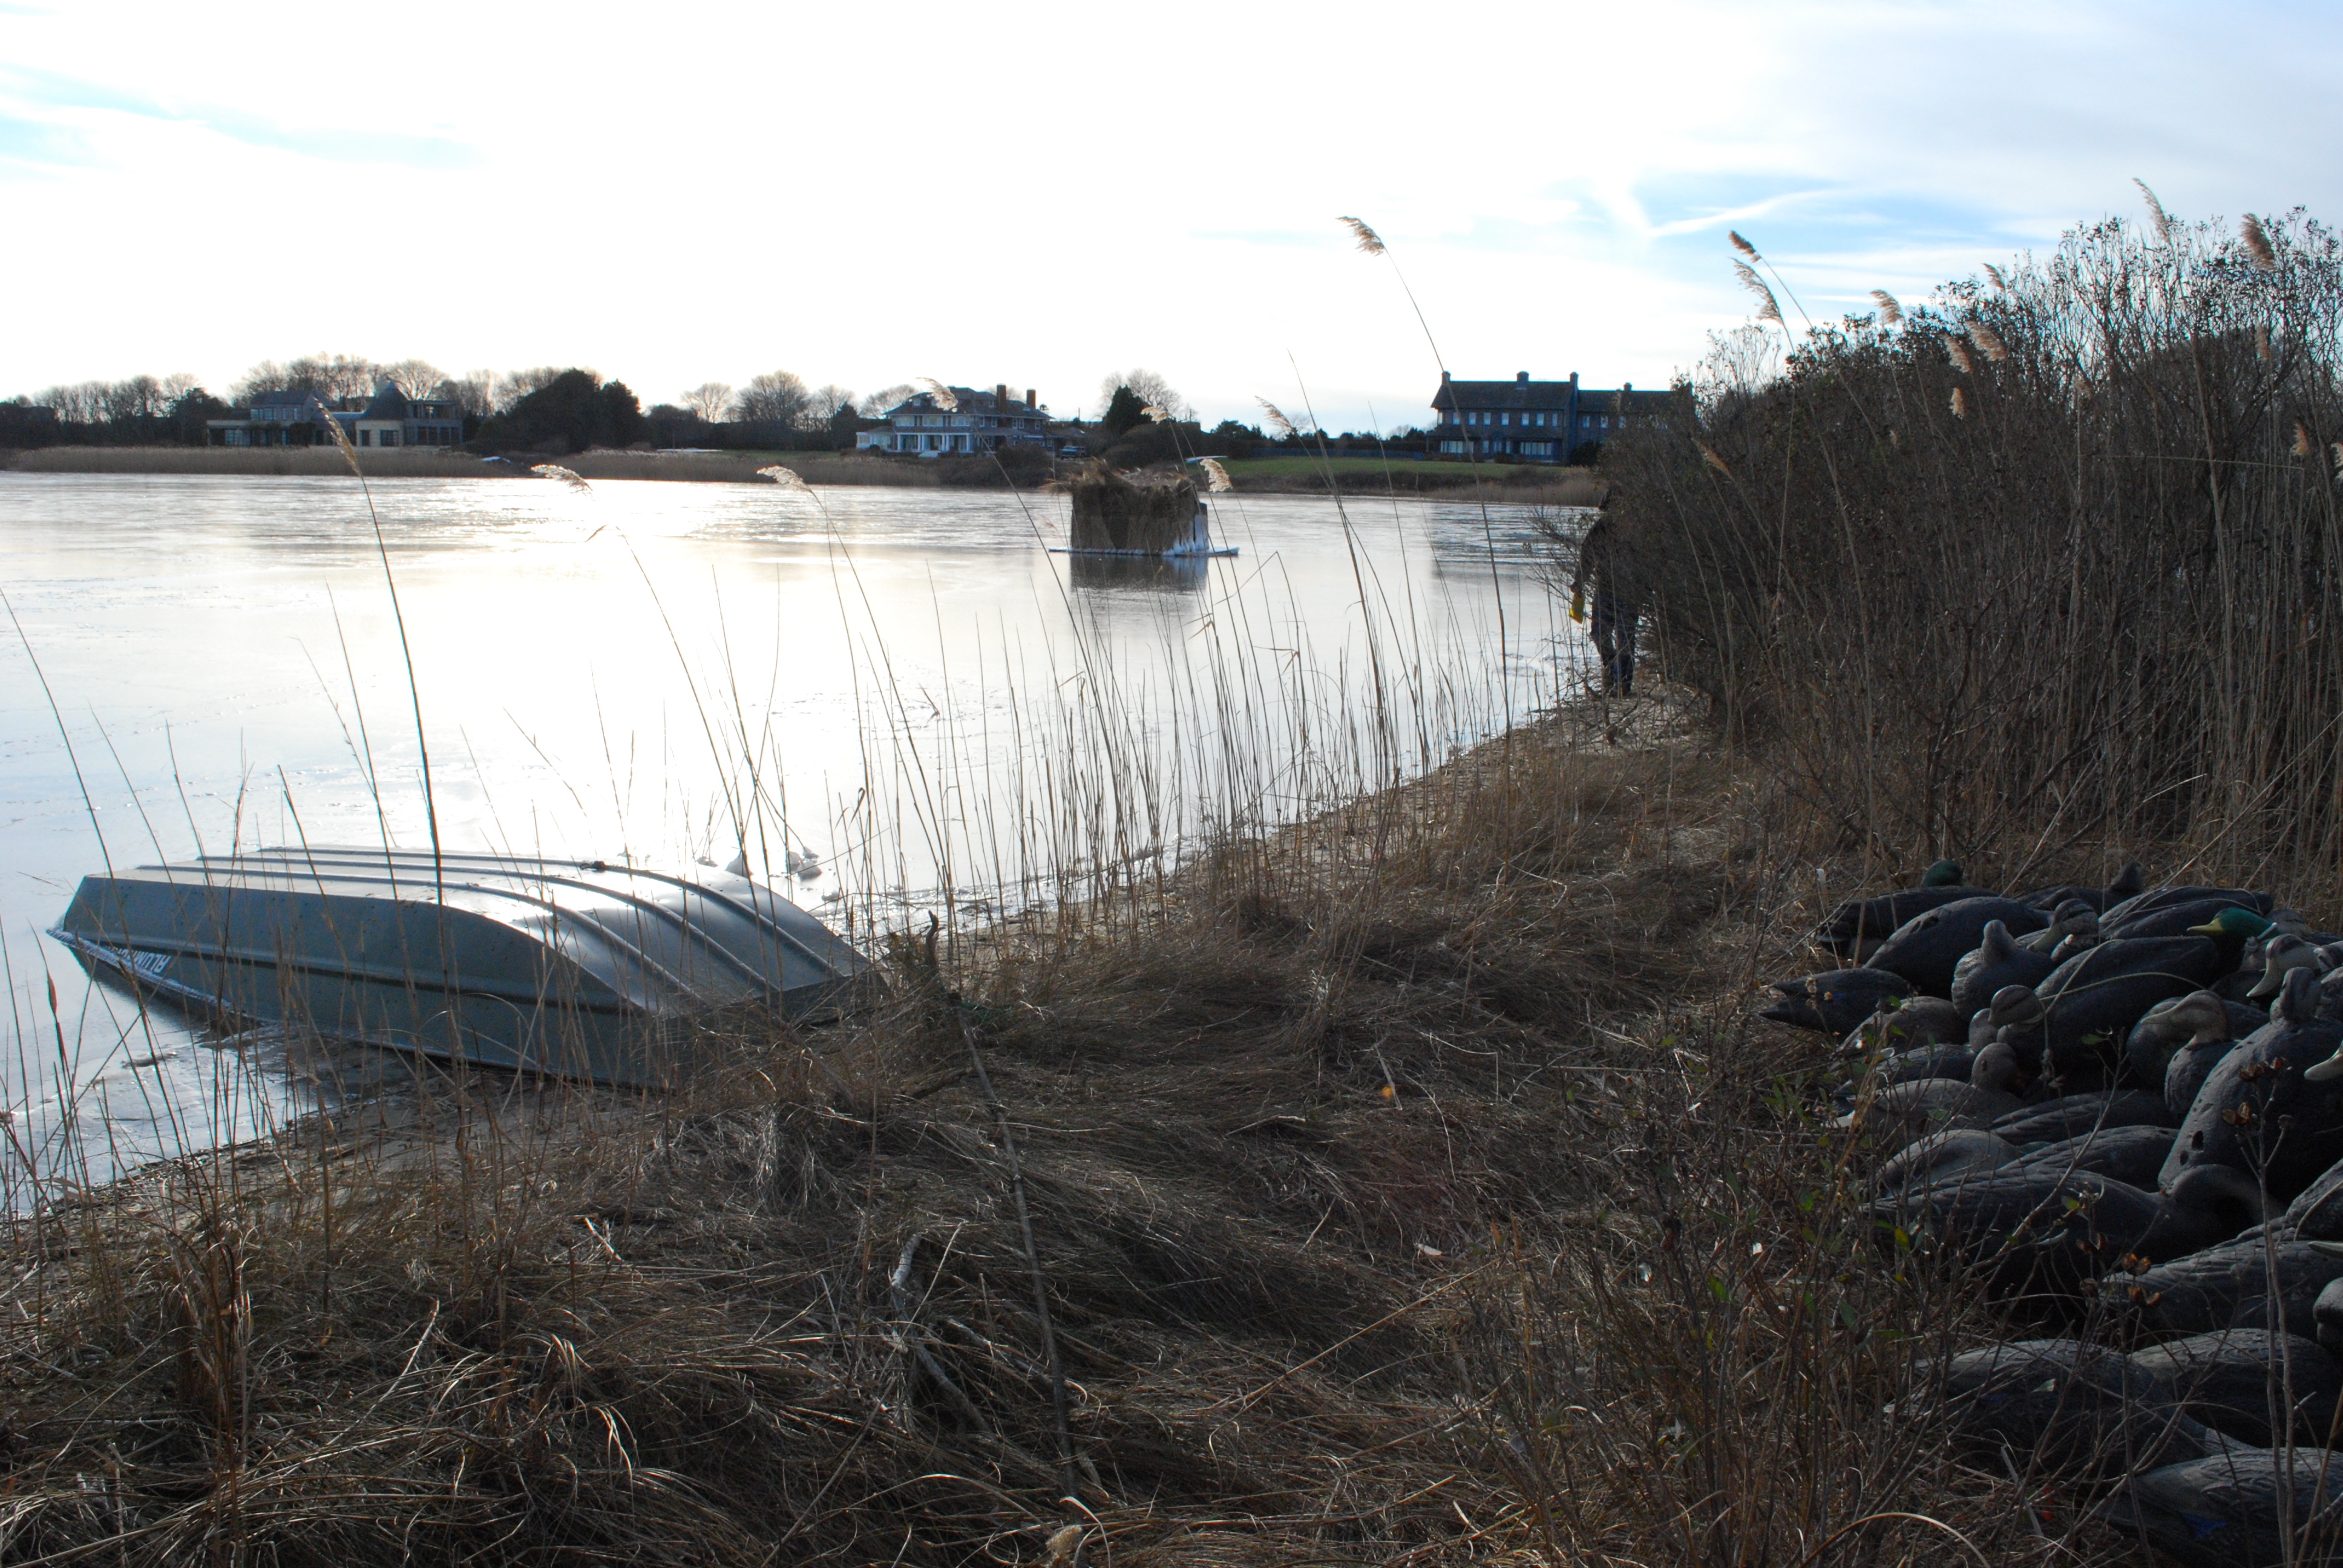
x,y
583,968
1147,512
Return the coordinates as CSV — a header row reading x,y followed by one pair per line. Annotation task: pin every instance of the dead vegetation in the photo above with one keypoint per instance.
x,y
1401,1188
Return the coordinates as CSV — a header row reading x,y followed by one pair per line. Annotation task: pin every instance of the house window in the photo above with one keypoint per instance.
x,y
389,438
366,437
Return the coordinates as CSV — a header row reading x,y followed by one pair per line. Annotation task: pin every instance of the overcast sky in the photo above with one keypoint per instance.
x,y
1041,194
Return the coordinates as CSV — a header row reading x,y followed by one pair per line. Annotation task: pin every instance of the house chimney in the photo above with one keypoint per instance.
x,y
1443,378
1030,402
1000,397
1521,377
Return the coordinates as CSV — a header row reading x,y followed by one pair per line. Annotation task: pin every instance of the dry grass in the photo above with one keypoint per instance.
x,y
1383,1172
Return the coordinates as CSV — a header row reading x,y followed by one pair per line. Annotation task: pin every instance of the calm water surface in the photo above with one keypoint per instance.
x,y
905,683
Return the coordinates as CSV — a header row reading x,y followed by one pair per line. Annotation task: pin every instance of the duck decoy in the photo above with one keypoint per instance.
x,y
2166,898
2126,883
2093,999
2326,1316
2183,1024
1926,948
1911,1024
1941,1156
2073,1115
1998,960
2229,1284
2191,1065
2133,1155
1904,1112
2261,1110
1853,931
2076,1408
2222,1511
2181,919
2283,953
2232,1380
1836,1001
2074,919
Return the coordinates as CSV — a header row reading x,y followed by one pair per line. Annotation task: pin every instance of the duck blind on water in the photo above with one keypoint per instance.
x,y
1143,513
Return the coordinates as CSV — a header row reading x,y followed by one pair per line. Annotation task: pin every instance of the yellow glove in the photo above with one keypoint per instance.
x,y
1578,603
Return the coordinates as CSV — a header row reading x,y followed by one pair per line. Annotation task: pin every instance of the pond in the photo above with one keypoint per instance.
x,y
905,684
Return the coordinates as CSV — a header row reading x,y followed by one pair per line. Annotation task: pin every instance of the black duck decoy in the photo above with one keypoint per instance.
x,y
2073,920
1903,1113
2229,1284
1835,1000
2133,1155
1854,930
2232,1380
2222,1511
2126,883
2183,1024
2260,1111
1926,948
2078,1409
2076,1115
1941,1156
2326,1316
1998,960
2092,1000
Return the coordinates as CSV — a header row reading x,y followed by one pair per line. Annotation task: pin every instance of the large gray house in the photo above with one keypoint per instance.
x,y
388,418
1534,421
978,422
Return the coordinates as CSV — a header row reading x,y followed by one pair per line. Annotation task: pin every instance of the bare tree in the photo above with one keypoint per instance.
x,y
829,402
776,397
1150,388
515,385
709,399
178,385
878,402
470,392
416,378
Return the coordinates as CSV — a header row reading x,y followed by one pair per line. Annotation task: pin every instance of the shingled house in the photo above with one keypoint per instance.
x,y
1534,421
978,422
388,418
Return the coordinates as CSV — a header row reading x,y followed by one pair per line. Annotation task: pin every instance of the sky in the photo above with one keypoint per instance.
x,y
1044,194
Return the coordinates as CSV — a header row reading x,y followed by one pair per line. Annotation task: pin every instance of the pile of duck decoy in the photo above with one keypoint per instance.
x,y
2119,1112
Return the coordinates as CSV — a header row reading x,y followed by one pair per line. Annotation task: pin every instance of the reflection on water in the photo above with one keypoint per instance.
x,y
1139,574
904,685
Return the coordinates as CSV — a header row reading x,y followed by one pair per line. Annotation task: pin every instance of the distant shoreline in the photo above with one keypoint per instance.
x,y
1283,475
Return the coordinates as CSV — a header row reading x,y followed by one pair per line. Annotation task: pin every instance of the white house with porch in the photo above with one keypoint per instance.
x,y
922,425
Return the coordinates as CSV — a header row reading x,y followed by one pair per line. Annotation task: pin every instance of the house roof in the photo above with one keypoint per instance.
x,y
389,403
1458,396
969,399
285,398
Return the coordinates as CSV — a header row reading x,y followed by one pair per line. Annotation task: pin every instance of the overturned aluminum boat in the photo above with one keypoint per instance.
x,y
586,968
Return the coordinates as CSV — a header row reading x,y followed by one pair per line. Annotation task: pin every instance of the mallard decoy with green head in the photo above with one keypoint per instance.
x,y
2169,898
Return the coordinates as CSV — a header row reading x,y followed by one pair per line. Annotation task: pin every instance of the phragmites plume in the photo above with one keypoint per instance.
x,y
2157,218
2303,447
1275,417
2262,344
2258,245
1889,311
1155,413
941,393
1960,352
1994,273
1216,478
1960,403
567,476
341,437
1741,245
786,477
1369,240
1708,455
1988,341
1767,310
